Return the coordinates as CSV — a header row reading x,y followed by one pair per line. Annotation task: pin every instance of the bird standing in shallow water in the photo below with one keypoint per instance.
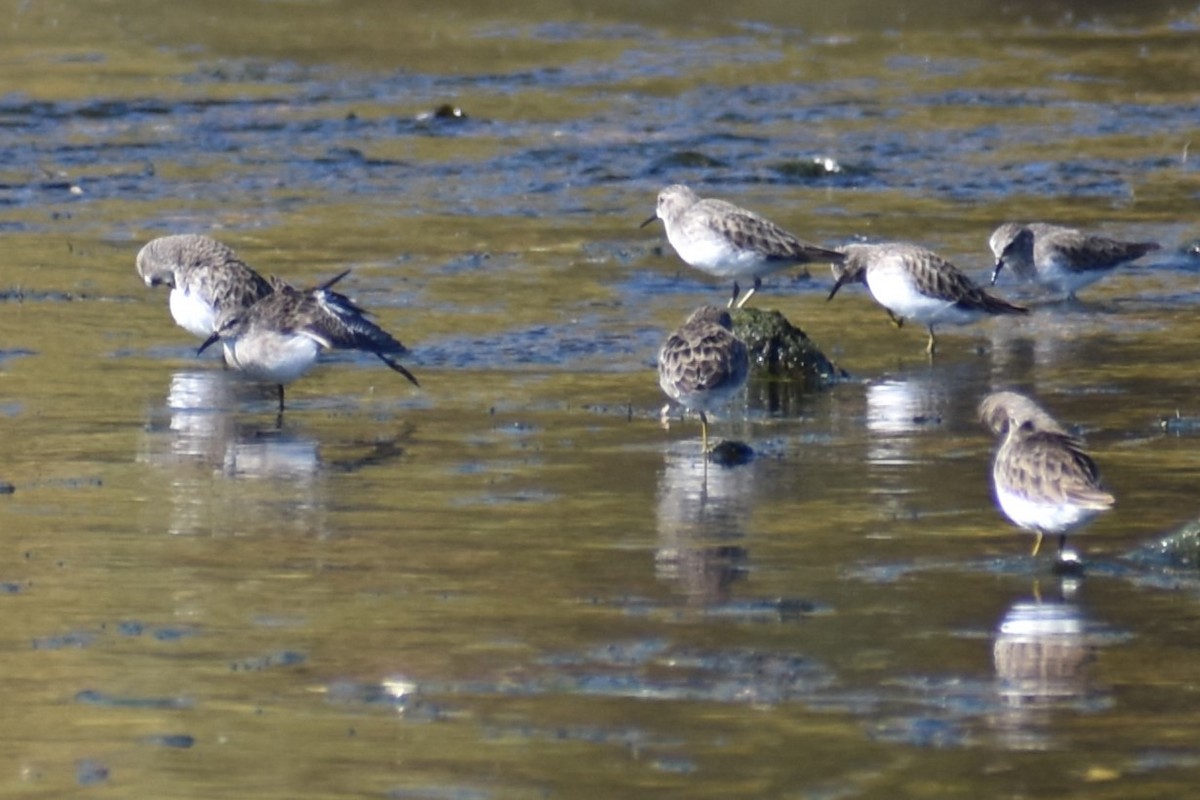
x,y
1064,259
702,364
914,283
727,241
207,279
279,338
1044,481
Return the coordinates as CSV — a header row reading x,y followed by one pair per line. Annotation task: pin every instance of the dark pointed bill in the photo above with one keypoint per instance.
x,y
996,271
837,285
209,342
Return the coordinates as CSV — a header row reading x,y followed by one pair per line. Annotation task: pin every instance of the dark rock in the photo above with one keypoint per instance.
x,y
779,349
816,167
686,159
731,454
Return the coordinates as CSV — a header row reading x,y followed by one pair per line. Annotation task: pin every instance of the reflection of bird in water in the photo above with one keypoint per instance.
x,y
220,472
1044,481
210,462
1042,654
702,365
700,522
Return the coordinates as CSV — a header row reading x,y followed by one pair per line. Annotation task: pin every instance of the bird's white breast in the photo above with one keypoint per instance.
x,y
275,357
192,313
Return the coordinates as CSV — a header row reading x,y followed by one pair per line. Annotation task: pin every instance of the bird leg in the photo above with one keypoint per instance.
x,y
1038,544
704,435
897,321
733,300
753,289
929,348
281,398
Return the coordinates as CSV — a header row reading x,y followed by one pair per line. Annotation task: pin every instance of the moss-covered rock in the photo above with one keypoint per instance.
x,y
779,349
1179,550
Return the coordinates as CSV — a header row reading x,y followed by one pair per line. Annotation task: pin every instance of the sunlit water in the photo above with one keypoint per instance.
x,y
516,581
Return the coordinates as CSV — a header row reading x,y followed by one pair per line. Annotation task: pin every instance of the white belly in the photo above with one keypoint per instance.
x,y
1042,516
1055,274
273,357
895,289
193,314
717,256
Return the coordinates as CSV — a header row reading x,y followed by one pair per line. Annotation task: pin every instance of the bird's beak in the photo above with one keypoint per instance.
x,y
837,285
647,222
996,271
209,342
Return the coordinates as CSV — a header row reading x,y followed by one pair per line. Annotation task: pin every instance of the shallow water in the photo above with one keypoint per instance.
x,y
515,582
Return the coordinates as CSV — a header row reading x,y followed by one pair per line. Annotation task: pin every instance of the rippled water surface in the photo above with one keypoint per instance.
x,y
515,581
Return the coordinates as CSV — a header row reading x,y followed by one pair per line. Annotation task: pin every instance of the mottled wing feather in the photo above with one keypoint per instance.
x,y
346,325
1098,252
242,291
953,285
1055,468
704,362
749,231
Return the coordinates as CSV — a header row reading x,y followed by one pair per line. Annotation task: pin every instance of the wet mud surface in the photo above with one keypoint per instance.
x,y
522,579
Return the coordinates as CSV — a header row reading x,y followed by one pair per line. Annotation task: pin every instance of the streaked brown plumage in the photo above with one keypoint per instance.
x,y
1064,259
1044,480
279,338
207,279
728,241
912,282
702,364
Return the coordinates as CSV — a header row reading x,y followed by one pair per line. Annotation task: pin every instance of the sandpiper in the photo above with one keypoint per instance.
x,y
727,241
1063,259
702,364
206,278
279,338
914,283
1044,481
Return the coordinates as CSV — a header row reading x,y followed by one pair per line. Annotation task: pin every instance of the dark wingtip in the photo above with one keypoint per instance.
x,y
398,367
1006,307
836,285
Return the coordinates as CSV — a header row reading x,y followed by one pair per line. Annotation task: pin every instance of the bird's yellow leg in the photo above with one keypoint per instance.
x,y
1038,544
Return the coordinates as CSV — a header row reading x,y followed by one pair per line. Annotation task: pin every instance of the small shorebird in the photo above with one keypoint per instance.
x,y
727,241
1063,259
207,279
279,338
914,283
702,364
1044,481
